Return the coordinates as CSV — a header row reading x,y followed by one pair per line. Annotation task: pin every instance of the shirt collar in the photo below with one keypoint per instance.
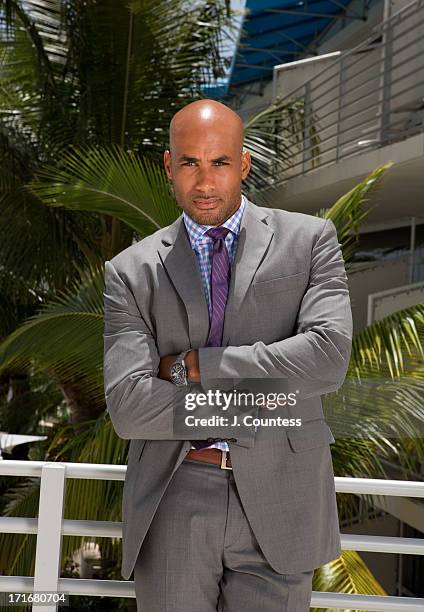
x,y
196,231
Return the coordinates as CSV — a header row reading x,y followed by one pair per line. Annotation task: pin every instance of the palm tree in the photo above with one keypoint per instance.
x,y
77,76
94,73
87,74
79,186
75,317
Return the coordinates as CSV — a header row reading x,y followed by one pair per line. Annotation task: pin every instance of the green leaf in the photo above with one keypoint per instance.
x,y
269,136
65,339
347,574
110,181
349,211
383,347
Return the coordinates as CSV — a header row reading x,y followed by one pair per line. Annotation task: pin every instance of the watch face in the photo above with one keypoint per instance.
x,y
178,374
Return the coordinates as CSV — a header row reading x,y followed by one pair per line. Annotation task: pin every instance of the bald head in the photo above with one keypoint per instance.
x,y
206,162
206,115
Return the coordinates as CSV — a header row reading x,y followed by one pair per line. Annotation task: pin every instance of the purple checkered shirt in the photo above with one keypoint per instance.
x,y
202,245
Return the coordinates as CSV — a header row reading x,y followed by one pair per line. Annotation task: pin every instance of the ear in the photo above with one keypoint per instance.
x,y
245,164
167,163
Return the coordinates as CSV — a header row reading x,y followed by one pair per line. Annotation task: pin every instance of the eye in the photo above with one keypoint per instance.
x,y
217,163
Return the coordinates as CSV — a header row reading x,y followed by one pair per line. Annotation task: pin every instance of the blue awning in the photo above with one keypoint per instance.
x,y
280,31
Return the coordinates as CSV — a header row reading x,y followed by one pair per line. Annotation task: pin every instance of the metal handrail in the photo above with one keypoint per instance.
x,y
369,65
355,114
51,526
347,147
367,44
339,120
360,54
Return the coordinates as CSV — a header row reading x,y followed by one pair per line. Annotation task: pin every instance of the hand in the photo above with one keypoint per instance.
x,y
192,363
165,364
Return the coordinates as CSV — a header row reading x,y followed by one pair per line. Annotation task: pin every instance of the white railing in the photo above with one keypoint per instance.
x,y
383,303
51,526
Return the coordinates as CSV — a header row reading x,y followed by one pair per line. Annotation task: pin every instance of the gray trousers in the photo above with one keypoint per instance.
x,y
200,554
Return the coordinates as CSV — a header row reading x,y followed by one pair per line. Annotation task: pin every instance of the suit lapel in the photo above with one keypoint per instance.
x,y
180,262
253,241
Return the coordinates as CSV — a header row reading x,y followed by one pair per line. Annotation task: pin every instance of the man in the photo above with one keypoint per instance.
x,y
235,291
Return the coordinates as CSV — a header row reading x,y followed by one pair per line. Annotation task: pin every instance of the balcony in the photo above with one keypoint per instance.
x,y
50,527
359,108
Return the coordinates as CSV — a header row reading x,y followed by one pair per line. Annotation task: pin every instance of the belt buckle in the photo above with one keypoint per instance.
x,y
224,465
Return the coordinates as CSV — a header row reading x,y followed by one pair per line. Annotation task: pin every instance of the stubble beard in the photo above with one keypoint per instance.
x,y
210,217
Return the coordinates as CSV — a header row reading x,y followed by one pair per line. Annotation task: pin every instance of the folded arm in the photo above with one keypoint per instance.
x,y
317,356
140,404
140,398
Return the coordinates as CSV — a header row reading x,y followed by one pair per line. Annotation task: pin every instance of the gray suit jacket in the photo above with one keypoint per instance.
x,y
288,315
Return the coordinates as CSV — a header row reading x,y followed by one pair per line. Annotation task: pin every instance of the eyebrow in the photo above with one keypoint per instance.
x,y
221,158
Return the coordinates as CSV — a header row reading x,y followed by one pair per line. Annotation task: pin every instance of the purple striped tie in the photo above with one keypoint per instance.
x,y
220,282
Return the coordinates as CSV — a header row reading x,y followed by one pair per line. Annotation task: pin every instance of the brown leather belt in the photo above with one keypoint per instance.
x,y
214,456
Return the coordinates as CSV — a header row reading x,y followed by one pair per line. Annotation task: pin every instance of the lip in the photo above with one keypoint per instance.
x,y
206,204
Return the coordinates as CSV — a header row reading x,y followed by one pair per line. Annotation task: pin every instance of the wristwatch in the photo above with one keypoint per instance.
x,y
178,371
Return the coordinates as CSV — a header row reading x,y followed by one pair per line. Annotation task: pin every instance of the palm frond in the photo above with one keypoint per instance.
x,y
90,442
380,348
17,301
274,137
113,182
349,211
376,423
377,413
157,56
97,442
33,50
65,338
269,136
348,574
17,551
39,246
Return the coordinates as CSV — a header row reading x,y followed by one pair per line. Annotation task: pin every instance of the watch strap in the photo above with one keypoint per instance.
x,y
181,356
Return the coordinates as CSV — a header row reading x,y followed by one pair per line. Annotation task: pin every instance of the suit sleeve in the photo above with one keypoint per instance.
x,y
140,404
317,356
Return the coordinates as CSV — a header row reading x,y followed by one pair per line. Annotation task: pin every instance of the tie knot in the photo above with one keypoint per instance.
x,y
217,232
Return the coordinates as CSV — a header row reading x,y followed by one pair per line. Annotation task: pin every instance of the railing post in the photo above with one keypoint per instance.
x,y
387,51
339,107
412,245
307,122
49,533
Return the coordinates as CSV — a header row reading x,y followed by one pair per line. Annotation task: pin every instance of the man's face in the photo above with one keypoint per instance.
x,y
206,166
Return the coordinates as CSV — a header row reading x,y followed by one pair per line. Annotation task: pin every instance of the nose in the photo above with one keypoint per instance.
x,y
204,181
